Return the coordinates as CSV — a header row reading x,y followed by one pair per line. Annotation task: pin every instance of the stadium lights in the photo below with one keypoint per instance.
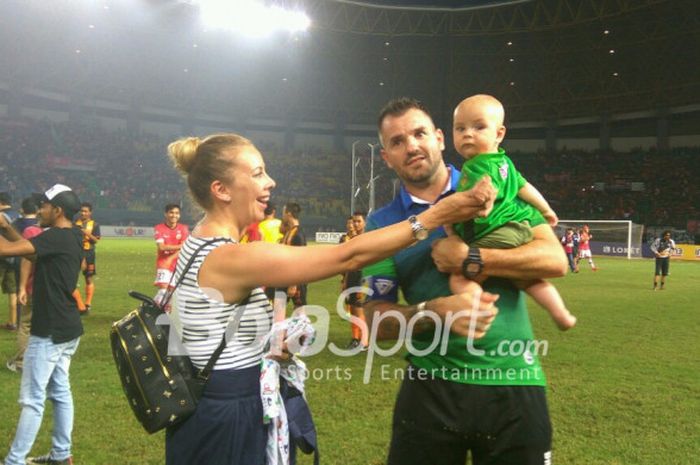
x,y
250,17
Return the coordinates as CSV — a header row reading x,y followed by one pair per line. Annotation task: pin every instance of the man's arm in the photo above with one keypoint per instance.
x,y
543,257
168,248
91,237
655,247
11,243
25,269
442,308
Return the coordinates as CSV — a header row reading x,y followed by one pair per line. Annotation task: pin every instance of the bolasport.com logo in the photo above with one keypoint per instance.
x,y
440,329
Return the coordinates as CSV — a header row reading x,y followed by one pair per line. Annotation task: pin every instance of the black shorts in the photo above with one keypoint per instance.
x,y
353,279
437,422
662,265
89,257
354,299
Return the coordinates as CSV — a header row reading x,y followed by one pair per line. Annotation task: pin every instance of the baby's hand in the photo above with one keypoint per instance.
x,y
551,217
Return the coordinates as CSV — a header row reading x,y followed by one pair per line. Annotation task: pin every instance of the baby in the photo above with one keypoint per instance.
x,y
478,131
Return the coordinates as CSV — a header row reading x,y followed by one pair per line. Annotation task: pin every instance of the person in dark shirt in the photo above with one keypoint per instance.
x,y
55,327
91,234
8,265
28,218
26,226
663,248
294,235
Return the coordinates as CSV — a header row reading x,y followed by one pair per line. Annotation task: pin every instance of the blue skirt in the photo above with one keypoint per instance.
x,y
227,427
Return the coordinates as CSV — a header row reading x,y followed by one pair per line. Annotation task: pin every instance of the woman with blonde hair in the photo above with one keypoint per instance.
x,y
227,179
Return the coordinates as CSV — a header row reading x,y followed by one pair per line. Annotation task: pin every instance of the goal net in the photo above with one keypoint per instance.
x,y
610,237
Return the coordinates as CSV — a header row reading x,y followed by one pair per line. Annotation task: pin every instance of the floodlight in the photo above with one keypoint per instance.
x,y
250,17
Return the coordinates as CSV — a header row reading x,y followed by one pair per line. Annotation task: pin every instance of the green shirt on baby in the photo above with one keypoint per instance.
x,y
508,207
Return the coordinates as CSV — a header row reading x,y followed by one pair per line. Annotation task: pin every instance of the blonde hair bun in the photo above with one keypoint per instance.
x,y
183,152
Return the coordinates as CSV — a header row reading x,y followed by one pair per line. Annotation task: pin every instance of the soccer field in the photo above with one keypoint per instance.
x,y
624,385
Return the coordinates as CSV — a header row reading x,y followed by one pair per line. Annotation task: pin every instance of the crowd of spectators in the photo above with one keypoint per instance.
x,y
111,169
644,186
118,170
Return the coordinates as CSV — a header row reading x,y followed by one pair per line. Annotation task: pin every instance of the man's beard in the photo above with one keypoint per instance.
x,y
421,178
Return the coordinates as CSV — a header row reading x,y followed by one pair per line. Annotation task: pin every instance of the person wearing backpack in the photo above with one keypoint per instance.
x,y
227,178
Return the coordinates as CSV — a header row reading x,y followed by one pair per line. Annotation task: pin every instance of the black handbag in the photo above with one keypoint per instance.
x,y
162,390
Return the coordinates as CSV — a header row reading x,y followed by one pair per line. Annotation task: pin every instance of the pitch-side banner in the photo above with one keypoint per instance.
x,y
687,252
126,231
614,249
328,237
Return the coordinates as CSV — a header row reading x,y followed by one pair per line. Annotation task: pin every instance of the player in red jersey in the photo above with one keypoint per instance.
x,y
584,247
169,236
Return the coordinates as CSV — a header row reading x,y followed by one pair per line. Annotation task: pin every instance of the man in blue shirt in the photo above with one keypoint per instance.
x,y
458,395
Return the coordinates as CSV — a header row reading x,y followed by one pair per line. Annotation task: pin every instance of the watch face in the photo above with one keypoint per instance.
x,y
473,268
422,234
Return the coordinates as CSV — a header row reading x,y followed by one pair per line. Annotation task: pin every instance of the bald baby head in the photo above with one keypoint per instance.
x,y
478,125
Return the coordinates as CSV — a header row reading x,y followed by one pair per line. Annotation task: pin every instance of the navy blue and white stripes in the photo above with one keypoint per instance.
x,y
204,319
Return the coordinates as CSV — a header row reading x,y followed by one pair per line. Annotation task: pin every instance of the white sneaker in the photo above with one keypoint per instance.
x,y
12,366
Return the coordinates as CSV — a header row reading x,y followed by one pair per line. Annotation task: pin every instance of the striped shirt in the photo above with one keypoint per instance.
x,y
204,319
663,247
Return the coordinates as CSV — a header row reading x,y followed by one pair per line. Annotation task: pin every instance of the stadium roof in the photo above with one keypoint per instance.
x,y
546,59
433,5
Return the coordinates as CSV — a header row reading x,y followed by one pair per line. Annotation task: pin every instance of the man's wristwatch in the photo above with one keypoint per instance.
x,y
472,265
420,309
419,231
422,319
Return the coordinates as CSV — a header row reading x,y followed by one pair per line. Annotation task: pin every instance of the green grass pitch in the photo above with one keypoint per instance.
x,y
624,385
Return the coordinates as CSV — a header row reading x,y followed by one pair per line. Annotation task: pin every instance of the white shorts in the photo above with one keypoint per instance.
x,y
585,253
163,276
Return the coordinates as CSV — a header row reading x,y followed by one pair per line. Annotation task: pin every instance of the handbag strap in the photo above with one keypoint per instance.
x,y
193,257
206,371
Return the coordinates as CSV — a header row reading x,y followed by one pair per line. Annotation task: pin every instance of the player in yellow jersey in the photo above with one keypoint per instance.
x,y
91,234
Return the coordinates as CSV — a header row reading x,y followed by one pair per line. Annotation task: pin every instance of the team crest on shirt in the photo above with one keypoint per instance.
x,y
463,183
383,286
503,170
178,235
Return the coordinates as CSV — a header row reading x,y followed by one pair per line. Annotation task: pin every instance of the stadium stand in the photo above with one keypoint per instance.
x,y
117,170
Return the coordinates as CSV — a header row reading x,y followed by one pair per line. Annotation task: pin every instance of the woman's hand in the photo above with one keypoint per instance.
x,y
461,206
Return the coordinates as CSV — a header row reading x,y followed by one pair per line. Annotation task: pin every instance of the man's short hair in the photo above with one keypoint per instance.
x,y
87,205
398,107
293,209
270,209
666,232
29,205
359,213
5,198
170,206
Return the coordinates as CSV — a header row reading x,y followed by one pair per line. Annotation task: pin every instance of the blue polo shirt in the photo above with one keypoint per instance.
x,y
506,355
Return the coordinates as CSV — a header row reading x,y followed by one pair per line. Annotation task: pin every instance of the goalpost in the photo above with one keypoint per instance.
x,y
619,238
